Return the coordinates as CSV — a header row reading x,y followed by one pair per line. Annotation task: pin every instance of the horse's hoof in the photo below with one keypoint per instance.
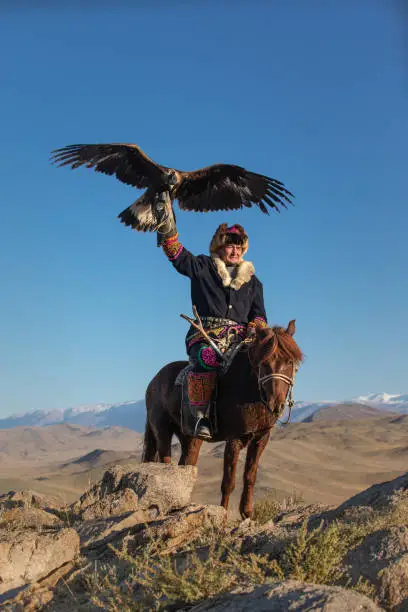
x,y
245,514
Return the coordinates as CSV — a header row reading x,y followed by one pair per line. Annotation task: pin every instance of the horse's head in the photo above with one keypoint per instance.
x,y
275,357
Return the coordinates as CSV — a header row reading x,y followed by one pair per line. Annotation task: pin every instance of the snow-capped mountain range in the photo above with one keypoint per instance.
x,y
396,403
131,414
385,401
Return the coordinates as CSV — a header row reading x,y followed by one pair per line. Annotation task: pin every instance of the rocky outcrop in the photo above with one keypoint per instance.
x,y
28,499
37,595
153,490
24,518
394,584
95,533
382,559
178,528
291,595
148,513
27,556
175,528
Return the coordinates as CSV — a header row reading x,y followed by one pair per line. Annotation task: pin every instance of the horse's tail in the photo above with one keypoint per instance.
x,y
149,445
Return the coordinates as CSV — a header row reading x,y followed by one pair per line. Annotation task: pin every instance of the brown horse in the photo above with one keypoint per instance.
x,y
250,398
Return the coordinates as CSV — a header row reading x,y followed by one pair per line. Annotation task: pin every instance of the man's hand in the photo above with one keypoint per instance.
x,y
251,332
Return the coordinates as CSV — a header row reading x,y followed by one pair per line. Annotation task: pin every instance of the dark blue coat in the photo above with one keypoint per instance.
x,y
213,292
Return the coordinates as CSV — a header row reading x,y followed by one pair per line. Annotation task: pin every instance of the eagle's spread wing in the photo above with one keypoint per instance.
x,y
126,161
228,187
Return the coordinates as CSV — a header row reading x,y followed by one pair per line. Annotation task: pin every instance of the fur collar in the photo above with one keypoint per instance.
x,y
244,273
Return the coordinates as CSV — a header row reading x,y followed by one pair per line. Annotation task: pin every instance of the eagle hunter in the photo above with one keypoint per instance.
x,y
216,187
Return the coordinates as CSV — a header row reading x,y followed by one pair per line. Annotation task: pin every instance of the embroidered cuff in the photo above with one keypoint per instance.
x,y
258,322
172,247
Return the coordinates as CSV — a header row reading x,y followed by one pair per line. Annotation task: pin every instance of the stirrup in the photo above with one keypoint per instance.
x,y
206,433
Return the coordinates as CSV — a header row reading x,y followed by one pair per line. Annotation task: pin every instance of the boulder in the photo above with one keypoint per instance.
x,y
37,595
154,488
27,556
174,529
25,517
296,516
28,499
291,595
382,559
95,532
274,536
394,584
177,528
271,540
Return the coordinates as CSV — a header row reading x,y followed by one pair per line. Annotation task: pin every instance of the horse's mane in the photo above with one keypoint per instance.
x,y
273,340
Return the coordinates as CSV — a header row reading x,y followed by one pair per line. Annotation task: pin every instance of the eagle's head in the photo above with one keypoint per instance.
x,y
172,178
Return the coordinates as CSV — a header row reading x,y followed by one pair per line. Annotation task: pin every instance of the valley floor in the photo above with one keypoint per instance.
x,y
322,461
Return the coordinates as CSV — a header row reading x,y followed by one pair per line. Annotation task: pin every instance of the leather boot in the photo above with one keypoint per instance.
x,y
200,389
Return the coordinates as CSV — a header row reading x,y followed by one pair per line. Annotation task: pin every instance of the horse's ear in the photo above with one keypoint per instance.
x,y
291,327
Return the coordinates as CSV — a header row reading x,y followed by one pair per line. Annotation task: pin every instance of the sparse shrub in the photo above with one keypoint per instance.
x,y
109,591
265,510
316,555
155,579
268,508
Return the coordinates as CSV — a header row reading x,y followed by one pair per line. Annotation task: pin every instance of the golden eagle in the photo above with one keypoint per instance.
x,y
216,187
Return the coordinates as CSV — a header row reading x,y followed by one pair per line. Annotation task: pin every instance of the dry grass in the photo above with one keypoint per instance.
x,y
153,581
268,508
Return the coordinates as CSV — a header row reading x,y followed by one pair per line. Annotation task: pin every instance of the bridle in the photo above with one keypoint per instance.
x,y
289,380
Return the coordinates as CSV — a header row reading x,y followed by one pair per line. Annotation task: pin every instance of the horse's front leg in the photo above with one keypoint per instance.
x,y
190,449
254,452
231,454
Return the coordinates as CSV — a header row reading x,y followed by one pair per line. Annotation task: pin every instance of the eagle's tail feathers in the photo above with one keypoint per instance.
x,y
139,216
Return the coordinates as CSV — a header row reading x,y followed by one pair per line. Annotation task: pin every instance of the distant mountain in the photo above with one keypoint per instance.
x,y
65,440
397,404
344,412
302,410
100,457
385,401
132,414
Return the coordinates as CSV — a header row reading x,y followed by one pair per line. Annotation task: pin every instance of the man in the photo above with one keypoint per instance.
x,y
229,300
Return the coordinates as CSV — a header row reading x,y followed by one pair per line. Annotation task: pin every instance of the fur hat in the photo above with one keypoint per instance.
x,y
229,235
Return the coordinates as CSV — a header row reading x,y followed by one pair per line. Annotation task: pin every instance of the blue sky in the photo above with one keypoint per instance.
x,y
314,94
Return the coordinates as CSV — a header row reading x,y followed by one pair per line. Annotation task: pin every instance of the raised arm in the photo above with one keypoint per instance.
x,y
167,237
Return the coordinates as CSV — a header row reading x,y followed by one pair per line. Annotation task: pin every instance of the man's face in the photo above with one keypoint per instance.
x,y
231,254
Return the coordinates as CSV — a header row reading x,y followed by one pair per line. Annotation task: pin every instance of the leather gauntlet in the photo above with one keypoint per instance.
x,y
166,222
